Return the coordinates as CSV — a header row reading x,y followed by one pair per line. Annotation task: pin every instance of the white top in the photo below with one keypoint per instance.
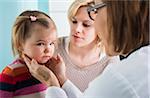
x,y
127,79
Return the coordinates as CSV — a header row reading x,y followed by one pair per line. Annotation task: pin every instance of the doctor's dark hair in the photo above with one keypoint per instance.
x,y
128,24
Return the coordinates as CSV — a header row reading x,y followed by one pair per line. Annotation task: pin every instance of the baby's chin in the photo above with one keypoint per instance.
x,y
43,62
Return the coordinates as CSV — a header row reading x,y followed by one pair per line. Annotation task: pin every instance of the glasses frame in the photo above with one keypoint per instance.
x,y
95,8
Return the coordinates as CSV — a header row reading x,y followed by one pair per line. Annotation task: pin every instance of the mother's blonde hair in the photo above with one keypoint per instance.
x,y
76,5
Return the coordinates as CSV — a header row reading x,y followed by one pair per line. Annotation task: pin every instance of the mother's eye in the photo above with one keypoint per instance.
x,y
74,21
86,25
40,44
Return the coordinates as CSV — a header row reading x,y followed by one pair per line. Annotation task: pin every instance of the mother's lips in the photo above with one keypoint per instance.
x,y
77,36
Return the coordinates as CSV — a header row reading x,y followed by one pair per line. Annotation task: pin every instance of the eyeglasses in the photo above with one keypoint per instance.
x,y
93,9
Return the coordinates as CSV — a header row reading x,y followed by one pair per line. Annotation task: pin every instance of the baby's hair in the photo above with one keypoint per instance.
x,y
23,26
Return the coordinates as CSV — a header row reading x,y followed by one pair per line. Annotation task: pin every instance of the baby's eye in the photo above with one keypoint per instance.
x,y
52,43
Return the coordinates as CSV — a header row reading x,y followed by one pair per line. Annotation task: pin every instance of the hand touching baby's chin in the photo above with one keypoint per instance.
x,y
43,61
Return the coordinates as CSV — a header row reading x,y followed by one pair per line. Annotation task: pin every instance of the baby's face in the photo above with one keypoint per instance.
x,y
40,45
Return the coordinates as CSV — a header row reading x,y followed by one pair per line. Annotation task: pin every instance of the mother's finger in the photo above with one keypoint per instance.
x,y
59,58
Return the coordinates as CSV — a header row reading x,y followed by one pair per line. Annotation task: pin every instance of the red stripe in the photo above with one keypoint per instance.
x,y
20,70
22,77
8,71
18,74
6,79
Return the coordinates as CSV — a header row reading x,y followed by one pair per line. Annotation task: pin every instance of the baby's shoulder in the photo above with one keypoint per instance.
x,y
14,68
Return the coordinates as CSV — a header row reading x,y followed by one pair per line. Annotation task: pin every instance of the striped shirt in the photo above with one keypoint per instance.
x,y
17,82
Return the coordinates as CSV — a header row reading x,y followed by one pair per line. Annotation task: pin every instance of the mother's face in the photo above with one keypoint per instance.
x,y
82,29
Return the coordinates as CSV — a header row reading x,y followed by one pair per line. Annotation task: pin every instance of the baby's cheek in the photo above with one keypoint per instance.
x,y
38,58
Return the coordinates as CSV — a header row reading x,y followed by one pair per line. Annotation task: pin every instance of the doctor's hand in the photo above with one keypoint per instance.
x,y
41,72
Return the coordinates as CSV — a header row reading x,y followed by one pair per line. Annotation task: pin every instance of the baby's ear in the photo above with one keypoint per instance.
x,y
20,48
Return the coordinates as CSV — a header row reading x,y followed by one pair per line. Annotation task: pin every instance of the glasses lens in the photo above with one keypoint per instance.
x,y
92,13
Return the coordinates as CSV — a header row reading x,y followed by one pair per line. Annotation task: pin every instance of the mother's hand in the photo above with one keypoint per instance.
x,y
57,65
41,72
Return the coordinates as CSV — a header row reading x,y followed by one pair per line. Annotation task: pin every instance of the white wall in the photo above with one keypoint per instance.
x,y
58,11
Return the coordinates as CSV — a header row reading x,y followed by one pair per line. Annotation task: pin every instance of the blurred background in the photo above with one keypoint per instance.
x,y
10,9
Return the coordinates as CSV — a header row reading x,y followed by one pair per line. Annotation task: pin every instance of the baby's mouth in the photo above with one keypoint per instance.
x,y
37,61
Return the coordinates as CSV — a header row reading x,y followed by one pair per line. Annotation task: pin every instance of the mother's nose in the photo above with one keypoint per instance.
x,y
78,28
